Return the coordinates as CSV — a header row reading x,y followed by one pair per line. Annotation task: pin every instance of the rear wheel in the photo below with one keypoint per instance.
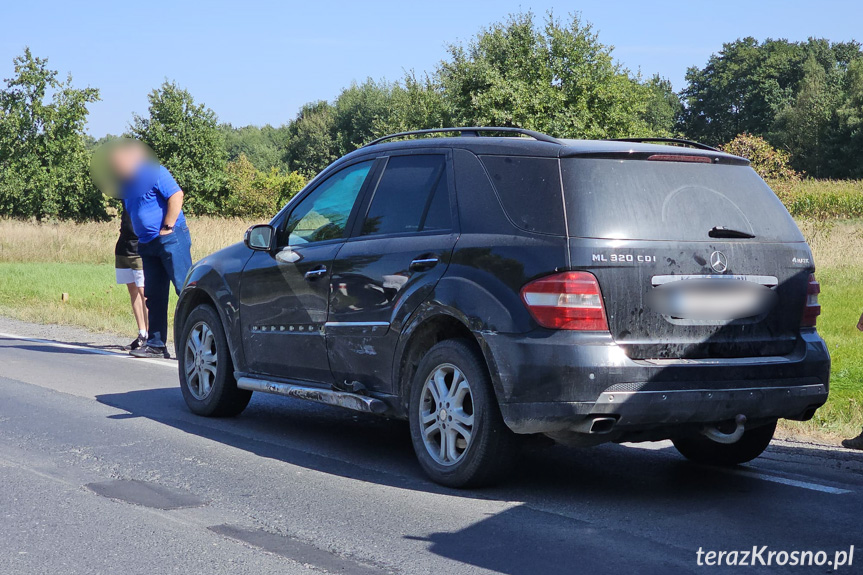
x,y
458,433
206,371
700,449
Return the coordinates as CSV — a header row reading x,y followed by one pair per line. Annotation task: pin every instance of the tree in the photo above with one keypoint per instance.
x,y
663,107
186,139
557,78
44,160
802,127
416,104
741,89
263,146
312,146
847,136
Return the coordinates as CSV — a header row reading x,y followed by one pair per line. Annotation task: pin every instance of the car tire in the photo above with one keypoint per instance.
x,y
453,376
700,449
205,366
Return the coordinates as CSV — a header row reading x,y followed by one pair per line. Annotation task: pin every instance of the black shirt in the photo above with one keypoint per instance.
x,y
127,244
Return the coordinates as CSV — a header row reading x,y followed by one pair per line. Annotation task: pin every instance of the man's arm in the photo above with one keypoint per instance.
x,y
175,205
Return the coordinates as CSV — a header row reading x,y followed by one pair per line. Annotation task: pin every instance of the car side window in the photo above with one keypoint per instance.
x,y
412,196
324,213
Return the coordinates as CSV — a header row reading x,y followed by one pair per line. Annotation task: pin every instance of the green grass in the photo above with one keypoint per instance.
x,y
841,304
32,292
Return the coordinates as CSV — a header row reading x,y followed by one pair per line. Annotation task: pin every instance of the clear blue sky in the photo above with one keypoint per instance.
x,y
257,62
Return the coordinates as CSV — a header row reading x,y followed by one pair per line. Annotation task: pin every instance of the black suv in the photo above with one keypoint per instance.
x,y
505,283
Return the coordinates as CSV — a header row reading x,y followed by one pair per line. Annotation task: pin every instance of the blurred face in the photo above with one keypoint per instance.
x,y
125,159
116,162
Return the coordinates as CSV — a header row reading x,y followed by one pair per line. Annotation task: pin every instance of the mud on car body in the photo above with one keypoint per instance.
x,y
488,287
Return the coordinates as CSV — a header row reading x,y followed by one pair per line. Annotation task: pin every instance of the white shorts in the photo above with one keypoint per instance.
x,y
127,276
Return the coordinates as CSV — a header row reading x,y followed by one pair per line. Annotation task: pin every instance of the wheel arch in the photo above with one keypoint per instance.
x,y
191,298
429,327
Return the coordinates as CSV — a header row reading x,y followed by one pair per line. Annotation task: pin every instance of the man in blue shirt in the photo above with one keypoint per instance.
x,y
154,202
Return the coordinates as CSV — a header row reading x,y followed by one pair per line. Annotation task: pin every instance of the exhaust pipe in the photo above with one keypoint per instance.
x,y
595,425
713,432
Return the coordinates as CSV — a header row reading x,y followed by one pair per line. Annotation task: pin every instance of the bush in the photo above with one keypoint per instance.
x,y
770,163
250,193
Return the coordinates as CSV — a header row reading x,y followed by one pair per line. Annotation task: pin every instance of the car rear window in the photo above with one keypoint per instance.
x,y
529,190
666,200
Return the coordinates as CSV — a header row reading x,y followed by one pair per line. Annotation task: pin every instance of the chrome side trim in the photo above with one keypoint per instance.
x,y
357,324
343,399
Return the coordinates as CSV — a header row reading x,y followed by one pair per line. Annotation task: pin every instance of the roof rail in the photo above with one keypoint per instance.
x,y
678,141
470,131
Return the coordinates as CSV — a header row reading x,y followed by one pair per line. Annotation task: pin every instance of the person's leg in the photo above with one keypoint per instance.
x,y
156,288
143,301
136,294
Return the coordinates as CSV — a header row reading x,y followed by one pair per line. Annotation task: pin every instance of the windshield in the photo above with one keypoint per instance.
x,y
662,200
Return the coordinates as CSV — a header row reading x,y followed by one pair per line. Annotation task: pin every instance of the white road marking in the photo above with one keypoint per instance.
x,y
658,445
86,349
791,482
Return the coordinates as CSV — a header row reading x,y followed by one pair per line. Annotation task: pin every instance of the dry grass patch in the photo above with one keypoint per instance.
x,y
93,242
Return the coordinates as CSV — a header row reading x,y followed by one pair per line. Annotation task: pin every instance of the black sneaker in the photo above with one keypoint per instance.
x,y
856,443
140,342
151,352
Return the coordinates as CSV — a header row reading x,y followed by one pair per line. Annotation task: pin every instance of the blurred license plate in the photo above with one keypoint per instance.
x,y
711,299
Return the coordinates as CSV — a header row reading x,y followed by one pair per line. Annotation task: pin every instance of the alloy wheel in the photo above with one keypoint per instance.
x,y
446,414
200,360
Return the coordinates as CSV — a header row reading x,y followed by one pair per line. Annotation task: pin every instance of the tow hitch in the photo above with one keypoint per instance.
x,y
714,433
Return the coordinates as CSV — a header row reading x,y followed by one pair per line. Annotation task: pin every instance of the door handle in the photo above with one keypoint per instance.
x,y
423,263
316,273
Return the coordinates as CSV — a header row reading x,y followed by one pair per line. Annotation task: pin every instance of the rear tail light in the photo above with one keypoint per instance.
x,y
813,308
568,300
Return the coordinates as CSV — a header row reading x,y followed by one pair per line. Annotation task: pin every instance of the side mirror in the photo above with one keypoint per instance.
x,y
260,237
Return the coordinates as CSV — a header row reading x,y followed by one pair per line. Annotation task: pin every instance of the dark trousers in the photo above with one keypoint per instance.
x,y
166,259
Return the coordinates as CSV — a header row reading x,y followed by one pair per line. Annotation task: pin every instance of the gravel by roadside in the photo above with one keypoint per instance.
x,y
68,334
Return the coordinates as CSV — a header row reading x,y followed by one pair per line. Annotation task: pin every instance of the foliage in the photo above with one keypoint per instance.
x,y
251,193
44,161
263,146
844,161
312,145
800,96
663,107
770,163
556,78
186,138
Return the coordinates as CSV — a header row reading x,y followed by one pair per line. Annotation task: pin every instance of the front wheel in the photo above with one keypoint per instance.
x,y
456,427
700,449
206,371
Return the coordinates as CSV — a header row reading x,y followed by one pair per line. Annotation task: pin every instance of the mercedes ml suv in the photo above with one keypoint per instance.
x,y
499,283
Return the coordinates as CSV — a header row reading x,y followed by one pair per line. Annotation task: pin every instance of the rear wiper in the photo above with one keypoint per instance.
x,y
723,232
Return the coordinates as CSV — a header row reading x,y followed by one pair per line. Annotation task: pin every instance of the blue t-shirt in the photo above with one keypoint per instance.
x,y
145,196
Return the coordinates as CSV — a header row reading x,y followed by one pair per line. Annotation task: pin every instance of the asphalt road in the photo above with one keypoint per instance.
x,y
105,471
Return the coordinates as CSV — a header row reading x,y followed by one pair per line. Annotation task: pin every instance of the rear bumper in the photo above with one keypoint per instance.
x,y
560,380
